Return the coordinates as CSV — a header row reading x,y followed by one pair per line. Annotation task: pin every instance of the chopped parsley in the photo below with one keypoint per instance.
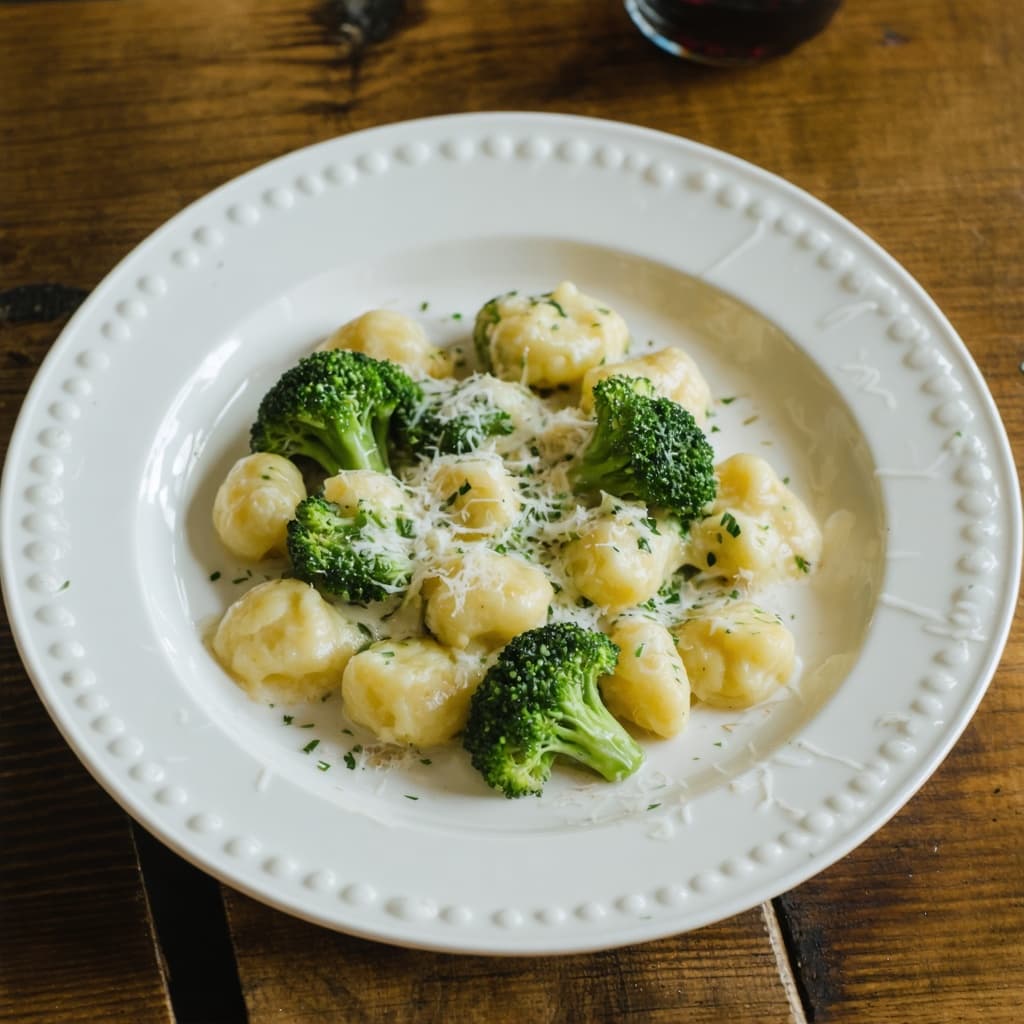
x,y
801,563
731,526
310,746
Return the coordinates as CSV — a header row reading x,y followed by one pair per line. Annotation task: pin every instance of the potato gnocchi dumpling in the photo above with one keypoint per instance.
x,y
255,502
551,339
385,334
649,685
478,493
673,373
758,530
620,560
484,598
283,641
354,487
407,691
737,655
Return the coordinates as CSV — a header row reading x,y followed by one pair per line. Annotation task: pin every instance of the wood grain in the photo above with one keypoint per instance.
x,y
723,973
906,118
76,942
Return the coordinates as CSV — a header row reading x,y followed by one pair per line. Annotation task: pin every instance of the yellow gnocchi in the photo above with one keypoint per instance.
x,y
485,599
757,530
255,502
407,691
649,685
551,339
737,655
354,487
283,641
673,373
622,559
385,334
477,493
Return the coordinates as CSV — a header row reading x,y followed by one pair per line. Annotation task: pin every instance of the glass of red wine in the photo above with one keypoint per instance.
x,y
730,32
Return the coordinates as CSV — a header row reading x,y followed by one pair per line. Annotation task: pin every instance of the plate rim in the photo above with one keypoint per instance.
x,y
133,804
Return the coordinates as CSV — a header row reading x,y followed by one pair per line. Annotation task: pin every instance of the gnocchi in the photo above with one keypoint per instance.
x,y
479,495
283,641
649,685
385,334
354,487
673,373
758,530
550,339
255,502
735,656
622,559
485,599
407,691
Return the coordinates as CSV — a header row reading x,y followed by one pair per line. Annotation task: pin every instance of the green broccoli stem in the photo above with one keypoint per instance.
x,y
594,738
602,471
358,448
311,449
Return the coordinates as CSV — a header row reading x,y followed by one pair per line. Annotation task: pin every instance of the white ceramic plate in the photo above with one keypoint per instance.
x,y
844,374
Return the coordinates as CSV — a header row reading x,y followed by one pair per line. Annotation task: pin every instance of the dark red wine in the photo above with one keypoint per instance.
x,y
731,31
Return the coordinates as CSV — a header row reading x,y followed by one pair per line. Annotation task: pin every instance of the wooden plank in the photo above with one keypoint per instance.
x,y
76,940
926,921
724,973
906,118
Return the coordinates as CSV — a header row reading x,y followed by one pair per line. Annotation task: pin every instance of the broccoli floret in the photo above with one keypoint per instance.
x,y
646,448
362,557
488,316
334,407
433,428
541,699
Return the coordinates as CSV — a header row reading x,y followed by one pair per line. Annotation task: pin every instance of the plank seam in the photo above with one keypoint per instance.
x,y
797,1015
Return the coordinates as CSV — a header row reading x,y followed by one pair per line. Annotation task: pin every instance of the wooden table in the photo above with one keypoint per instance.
x,y
907,118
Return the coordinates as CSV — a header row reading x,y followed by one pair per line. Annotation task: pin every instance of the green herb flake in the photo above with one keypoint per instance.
x,y
652,807
643,544
214,576
731,526
350,761
801,563
64,586
425,760
456,316
310,746
288,719
239,579
712,558
728,401
409,796
424,306
639,652
717,743
785,480
322,765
